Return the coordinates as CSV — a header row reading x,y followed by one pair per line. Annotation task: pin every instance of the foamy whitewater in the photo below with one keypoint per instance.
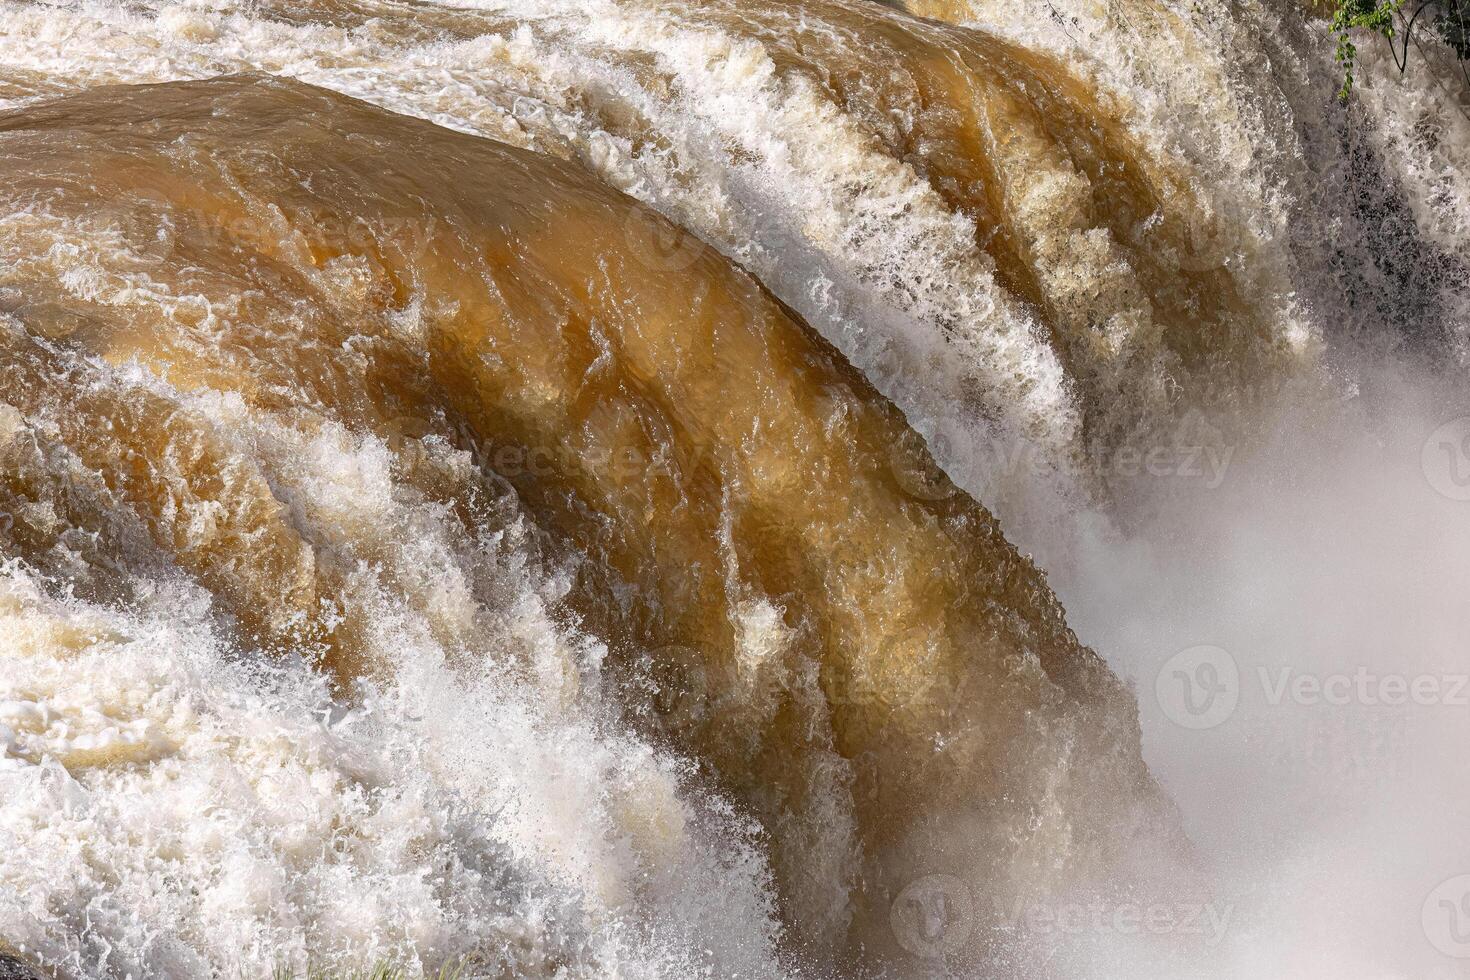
x,y
297,672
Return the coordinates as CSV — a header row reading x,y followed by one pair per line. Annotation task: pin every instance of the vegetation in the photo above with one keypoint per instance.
x,y
1395,21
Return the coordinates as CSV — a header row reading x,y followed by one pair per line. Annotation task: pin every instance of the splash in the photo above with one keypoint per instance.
x,y
418,549
308,395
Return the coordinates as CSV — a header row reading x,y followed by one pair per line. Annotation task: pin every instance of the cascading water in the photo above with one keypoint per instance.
x,y
468,491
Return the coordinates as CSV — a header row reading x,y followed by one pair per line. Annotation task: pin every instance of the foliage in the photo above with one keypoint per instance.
x,y
1448,19
1369,15
1454,27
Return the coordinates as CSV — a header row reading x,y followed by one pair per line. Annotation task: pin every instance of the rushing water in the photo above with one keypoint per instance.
x,y
468,491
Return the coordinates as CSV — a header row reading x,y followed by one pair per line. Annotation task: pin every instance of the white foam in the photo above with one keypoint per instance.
x,y
176,806
170,808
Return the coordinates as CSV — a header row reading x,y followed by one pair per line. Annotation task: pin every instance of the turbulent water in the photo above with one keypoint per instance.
x,y
578,489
